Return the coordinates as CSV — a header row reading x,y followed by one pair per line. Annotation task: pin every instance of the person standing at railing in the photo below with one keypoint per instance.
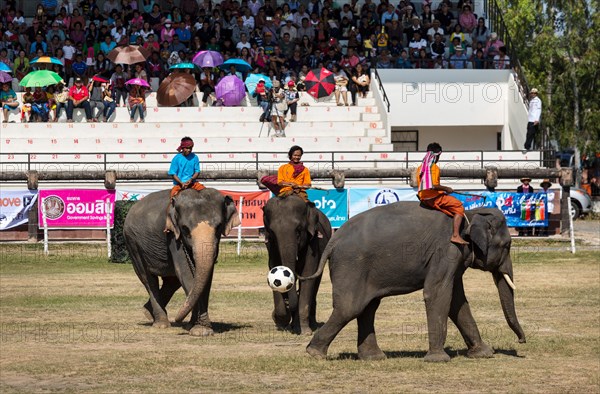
x,y
533,119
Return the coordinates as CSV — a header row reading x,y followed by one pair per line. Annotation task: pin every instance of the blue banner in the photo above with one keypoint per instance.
x,y
333,203
364,199
519,209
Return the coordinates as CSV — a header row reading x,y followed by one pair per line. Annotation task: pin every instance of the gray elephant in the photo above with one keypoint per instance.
x,y
296,234
185,256
401,248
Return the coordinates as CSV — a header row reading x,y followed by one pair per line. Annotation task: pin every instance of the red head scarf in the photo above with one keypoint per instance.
x,y
185,144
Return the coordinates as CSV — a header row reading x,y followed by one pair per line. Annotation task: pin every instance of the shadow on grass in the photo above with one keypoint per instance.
x,y
453,353
217,327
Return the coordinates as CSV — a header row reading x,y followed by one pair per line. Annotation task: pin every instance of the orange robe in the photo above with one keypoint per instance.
x,y
437,199
177,188
286,174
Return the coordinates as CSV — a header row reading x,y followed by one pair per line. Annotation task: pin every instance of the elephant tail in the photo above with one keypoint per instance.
x,y
324,257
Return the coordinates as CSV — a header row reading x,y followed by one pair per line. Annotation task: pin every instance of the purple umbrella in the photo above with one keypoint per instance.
x,y
4,77
231,90
139,82
208,59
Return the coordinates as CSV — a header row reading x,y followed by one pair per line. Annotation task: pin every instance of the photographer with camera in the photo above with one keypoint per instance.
x,y
278,108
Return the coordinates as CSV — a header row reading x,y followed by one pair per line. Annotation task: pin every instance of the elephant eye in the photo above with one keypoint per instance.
x,y
186,231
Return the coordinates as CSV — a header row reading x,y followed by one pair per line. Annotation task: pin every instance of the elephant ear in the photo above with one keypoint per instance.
x,y
172,220
232,217
481,232
312,219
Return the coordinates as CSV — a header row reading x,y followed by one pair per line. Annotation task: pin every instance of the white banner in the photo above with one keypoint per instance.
x,y
364,199
15,206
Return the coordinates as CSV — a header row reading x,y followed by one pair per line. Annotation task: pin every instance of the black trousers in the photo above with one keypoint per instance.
x,y
531,132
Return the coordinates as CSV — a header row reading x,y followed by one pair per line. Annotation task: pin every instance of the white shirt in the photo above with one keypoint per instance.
x,y
535,109
69,52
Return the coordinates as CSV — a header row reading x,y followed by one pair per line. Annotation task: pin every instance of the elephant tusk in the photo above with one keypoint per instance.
x,y
510,282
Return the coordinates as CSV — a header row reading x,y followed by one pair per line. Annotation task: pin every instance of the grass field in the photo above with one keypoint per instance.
x,y
72,322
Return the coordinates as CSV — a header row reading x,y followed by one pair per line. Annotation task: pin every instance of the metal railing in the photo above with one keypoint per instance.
x,y
386,100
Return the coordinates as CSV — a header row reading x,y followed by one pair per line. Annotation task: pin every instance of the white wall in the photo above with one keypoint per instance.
x,y
457,100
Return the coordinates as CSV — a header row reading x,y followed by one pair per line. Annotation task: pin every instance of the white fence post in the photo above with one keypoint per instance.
x,y
239,241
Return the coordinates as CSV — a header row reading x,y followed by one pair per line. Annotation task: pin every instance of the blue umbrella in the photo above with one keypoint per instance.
x,y
5,68
180,66
239,64
47,60
253,79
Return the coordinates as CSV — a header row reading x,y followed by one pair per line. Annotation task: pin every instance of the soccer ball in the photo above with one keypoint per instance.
x,y
281,279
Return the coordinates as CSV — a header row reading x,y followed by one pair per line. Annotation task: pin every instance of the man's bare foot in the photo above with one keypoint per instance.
x,y
458,240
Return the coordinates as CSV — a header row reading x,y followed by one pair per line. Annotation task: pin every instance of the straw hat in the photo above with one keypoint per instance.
x,y
525,179
546,182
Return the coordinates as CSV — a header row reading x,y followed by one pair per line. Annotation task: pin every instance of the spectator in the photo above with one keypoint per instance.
x,y
176,45
291,97
479,62
79,98
151,44
480,33
403,61
427,17
136,103
103,65
38,45
467,19
435,29
457,33
416,44
55,31
108,45
207,84
533,118
79,67
117,82
77,34
341,85
492,47
140,72
8,100
445,17
438,48
61,96
21,66
278,109
415,27
501,60
459,59
361,82
389,14
26,108
108,99
456,43
384,60
96,98
50,95
424,60
167,32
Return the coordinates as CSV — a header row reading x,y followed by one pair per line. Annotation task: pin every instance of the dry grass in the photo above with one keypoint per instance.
x,y
72,322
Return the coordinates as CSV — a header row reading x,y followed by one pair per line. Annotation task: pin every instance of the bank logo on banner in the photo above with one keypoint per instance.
x,y
385,197
15,207
55,207
361,200
76,208
333,203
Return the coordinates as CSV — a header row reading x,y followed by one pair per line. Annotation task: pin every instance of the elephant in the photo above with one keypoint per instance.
x,y
184,256
401,248
296,234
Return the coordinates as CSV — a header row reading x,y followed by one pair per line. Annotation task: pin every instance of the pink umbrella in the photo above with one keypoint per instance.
x,y
4,77
139,82
231,90
208,59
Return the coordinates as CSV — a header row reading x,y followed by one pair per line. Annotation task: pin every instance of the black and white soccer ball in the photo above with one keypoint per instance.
x,y
281,279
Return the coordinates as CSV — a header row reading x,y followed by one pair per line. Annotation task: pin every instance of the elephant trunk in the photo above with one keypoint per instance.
x,y
289,254
204,252
507,299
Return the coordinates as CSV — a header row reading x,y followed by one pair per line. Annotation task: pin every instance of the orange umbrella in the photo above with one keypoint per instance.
x,y
129,54
175,89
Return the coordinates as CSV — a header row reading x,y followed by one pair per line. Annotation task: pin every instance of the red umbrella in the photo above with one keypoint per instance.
x,y
319,83
98,78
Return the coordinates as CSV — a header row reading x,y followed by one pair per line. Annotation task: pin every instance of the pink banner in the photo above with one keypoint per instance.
x,y
68,208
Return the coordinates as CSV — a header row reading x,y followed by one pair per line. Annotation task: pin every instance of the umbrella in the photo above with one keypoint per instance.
x,y
175,89
180,66
47,60
40,78
139,82
208,59
4,77
231,90
253,79
98,78
319,83
129,54
240,65
4,67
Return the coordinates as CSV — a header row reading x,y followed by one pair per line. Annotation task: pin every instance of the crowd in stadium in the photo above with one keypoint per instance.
x,y
282,41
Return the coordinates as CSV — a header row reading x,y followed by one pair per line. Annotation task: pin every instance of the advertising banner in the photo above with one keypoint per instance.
x,y
15,206
76,208
364,199
252,213
333,203
519,209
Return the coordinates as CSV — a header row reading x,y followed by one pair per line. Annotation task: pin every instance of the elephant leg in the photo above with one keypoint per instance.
x,y
158,312
169,286
460,313
320,342
281,314
306,306
367,342
437,294
202,325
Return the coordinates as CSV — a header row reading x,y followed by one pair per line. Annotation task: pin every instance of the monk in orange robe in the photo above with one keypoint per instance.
x,y
293,177
436,196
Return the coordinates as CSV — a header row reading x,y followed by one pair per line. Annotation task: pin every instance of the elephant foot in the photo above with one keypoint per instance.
x,y
201,331
282,322
305,331
161,324
147,313
316,353
481,351
437,357
373,355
